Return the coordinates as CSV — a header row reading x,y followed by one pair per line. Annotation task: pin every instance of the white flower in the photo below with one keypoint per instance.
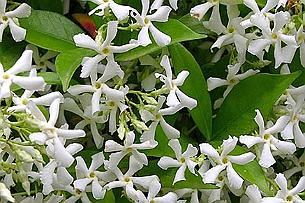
x,y
183,160
232,79
5,194
268,141
129,147
158,3
86,176
284,194
224,162
9,77
121,12
273,36
157,117
98,88
145,21
104,49
87,116
42,62
176,96
11,19
128,181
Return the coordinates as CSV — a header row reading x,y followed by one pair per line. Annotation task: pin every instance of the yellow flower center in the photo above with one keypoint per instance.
x,y
274,36
127,179
24,101
231,30
92,175
289,198
225,160
98,85
6,76
182,160
106,51
266,136
4,18
146,21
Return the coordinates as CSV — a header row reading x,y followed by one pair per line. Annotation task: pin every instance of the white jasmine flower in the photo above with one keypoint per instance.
x,y
153,192
9,77
268,141
224,162
292,129
129,147
111,105
50,132
284,194
105,49
128,181
158,3
233,78
11,19
86,114
176,96
183,160
145,21
273,36
5,194
121,12
42,62
98,88
86,176
157,117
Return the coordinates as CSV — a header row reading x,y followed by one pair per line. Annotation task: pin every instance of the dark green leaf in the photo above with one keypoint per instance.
x,y
50,30
50,78
10,51
67,63
236,115
195,86
167,177
174,28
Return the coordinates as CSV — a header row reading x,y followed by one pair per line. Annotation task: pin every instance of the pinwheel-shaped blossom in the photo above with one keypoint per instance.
x,y
85,175
232,79
223,161
268,141
158,3
121,12
128,147
9,77
145,21
183,160
175,96
42,62
157,117
98,87
128,181
273,36
11,19
284,194
104,48
152,195
87,117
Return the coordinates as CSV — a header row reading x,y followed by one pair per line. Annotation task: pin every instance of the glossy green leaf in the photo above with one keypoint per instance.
x,y
174,28
67,62
236,115
10,52
50,30
50,78
253,173
167,177
195,86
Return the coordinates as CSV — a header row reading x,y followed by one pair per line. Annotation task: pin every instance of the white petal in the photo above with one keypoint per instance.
x,y
111,32
211,175
18,33
168,162
82,183
281,182
266,159
161,15
252,5
228,145
185,100
243,158
200,10
39,138
299,137
253,193
249,141
97,161
120,11
235,180
180,174
62,157
284,147
97,190
85,41
79,89
143,37
23,11
300,187
287,133
216,82
24,63
30,83
160,38
207,149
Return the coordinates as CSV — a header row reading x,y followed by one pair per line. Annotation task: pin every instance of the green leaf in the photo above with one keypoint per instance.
x,y
167,177
50,30
54,5
10,51
50,78
174,28
67,62
195,86
195,24
236,115
253,173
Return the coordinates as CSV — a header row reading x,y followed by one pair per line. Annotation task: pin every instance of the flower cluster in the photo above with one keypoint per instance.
x,y
106,117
